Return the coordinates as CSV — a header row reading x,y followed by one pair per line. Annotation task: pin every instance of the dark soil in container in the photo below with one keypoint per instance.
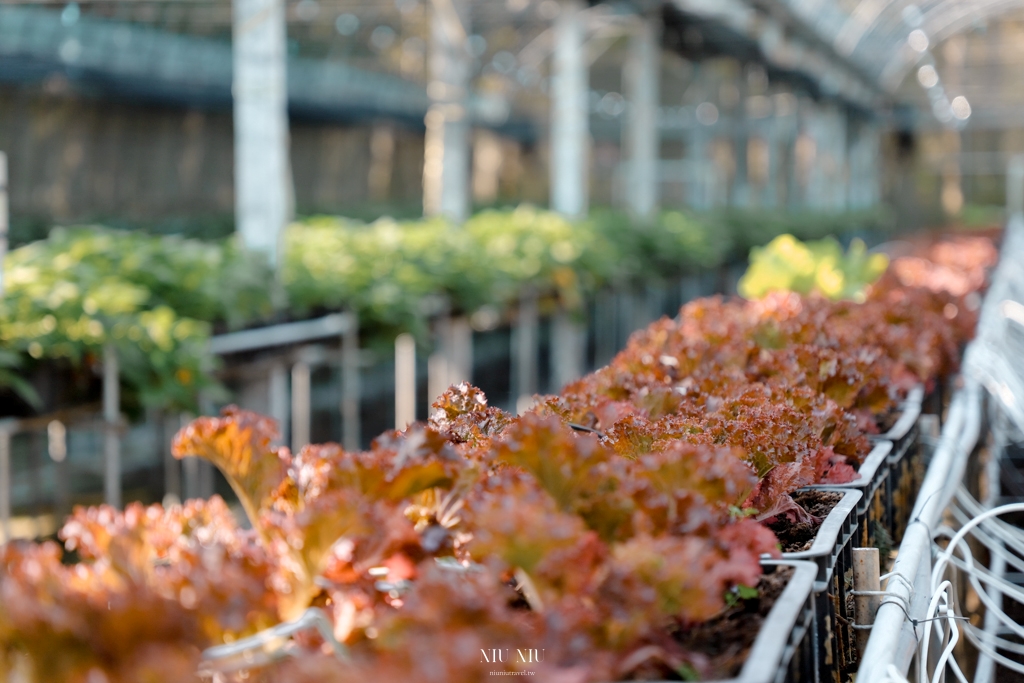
x,y
888,420
798,536
726,639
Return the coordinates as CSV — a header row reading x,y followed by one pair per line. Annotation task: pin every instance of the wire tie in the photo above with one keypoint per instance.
x,y
914,622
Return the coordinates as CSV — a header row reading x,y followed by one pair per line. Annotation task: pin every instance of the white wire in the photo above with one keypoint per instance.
x,y
1012,536
983,595
954,637
997,546
943,594
971,632
976,575
943,558
1008,589
938,594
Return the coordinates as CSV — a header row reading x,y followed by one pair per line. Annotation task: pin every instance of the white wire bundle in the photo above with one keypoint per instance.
x,y
1002,540
992,361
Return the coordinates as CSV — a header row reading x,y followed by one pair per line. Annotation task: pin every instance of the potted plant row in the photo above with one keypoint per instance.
x,y
625,529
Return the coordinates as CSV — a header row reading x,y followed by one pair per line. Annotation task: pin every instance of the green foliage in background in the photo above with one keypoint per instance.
x,y
749,228
157,298
154,298
394,274
820,266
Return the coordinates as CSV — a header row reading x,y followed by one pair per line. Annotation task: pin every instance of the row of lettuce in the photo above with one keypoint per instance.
x,y
158,298
596,533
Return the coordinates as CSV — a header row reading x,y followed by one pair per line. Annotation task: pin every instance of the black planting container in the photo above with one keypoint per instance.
x,y
832,554
785,648
872,512
906,465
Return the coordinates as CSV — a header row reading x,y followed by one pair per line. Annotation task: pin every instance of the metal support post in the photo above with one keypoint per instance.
x,y
525,338
206,471
405,380
460,351
302,414
446,146
172,466
438,361
570,115
568,344
350,388
699,181
866,580
4,217
1015,186
606,337
770,191
5,478
263,186
189,467
452,362
112,426
641,79
57,448
278,399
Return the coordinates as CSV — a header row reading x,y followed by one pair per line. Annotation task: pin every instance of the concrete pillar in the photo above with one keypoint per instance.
x,y
446,148
263,186
570,115
641,133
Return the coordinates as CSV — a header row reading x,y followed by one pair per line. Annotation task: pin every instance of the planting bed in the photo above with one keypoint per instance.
x,y
830,547
906,465
767,640
617,528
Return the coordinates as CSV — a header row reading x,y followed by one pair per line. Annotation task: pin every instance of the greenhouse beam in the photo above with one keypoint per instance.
x,y
283,334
